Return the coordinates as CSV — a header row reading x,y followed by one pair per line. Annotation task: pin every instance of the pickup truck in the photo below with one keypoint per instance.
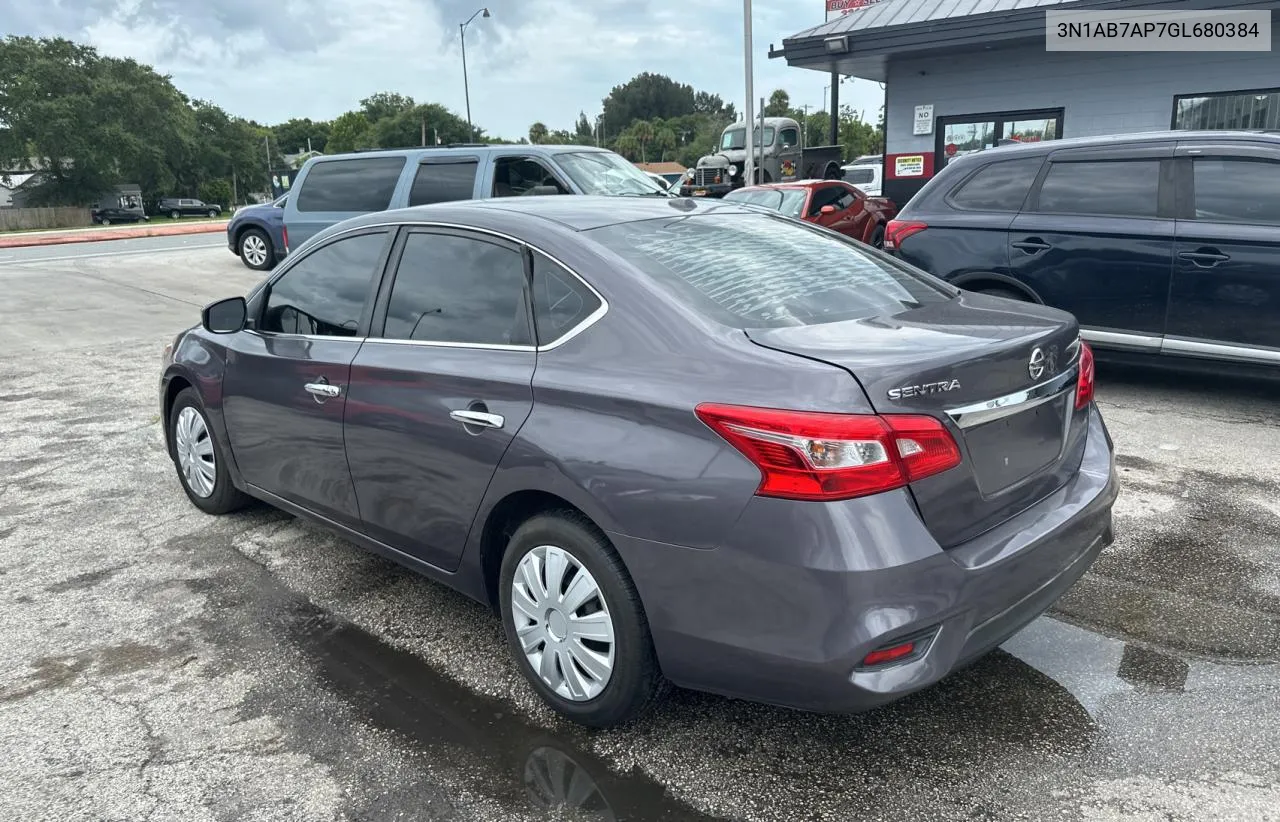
x,y
330,189
783,158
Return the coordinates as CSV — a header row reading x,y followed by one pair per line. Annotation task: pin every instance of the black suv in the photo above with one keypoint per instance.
x,y
176,207
1160,243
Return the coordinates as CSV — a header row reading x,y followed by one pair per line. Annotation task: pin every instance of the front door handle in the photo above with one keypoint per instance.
x,y
323,389
480,418
1204,257
1032,245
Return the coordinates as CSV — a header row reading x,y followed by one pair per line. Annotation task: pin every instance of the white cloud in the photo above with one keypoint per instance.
x,y
532,60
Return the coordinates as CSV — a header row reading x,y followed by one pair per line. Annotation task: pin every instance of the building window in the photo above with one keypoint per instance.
x,y
1227,110
957,136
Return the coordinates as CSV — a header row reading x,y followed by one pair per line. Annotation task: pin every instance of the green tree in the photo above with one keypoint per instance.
x,y
349,132
646,97
779,104
385,104
538,133
408,127
294,134
584,131
217,192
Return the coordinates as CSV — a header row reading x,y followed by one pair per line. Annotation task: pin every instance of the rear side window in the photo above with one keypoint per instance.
x,y
451,289
1114,188
560,300
767,272
443,183
998,186
324,293
860,176
351,185
1237,191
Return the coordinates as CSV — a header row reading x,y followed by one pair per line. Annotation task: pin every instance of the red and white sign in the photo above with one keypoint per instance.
x,y
950,149
839,8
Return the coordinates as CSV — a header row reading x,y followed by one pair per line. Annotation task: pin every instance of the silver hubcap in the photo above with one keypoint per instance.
x,y
253,249
195,452
563,623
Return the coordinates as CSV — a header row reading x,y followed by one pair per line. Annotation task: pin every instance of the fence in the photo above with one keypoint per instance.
x,y
19,219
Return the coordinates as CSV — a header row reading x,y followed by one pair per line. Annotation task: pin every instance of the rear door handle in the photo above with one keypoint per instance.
x,y
1205,257
323,389
1032,245
480,418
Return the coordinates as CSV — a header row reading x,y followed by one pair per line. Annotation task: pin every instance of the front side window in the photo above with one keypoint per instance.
x,y
357,186
1228,110
788,201
443,183
324,293
1116,188
790,136
736,139
998,186
825,196
522,176
1237,190
766,272
560,300
452,289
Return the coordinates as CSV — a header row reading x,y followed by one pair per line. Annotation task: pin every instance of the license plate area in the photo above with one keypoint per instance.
x,y
1006,451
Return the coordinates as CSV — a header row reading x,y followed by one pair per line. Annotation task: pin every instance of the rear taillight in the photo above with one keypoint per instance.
x,y
284,234
1084,383
818,456
898,230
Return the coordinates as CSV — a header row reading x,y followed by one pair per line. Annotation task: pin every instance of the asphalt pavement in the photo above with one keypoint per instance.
x,y
159,664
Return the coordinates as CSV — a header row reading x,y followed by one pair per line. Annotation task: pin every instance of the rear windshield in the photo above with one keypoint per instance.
x,y
858,176
789,201
758,271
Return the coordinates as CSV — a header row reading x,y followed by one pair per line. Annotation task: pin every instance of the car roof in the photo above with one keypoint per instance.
x,y
790,184
467,149
1137,138
575,212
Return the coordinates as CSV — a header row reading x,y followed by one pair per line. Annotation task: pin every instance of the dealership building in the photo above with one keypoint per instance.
x,y
965,75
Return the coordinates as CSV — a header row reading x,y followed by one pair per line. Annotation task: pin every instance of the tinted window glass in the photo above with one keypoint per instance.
x,y
325,292
999,186
859,176
1237,191
351,185
560,300
847,199
790,137
1121,188
443,182
766,272
459,290
519,176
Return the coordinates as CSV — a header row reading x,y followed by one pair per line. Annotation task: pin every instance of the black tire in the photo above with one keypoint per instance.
x,y
268,261
636,684
225,497
1007,293
213,213
877,237
104,220
173,215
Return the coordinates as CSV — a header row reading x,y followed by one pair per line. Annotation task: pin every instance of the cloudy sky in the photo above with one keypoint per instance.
x,y
270,60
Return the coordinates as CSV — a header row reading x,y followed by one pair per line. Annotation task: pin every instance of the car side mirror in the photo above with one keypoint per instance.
x,y
827,209
225,316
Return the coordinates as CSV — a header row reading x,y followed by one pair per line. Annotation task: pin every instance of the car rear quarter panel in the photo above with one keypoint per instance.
x,y
959,243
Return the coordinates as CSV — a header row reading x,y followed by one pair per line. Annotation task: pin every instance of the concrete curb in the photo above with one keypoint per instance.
x,y
100,235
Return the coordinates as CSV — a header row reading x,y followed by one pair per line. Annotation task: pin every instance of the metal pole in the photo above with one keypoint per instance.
x,y
466,88
835,107
266,142
749,118
761,140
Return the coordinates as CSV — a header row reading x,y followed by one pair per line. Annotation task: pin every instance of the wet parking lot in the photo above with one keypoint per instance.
x,y
159,664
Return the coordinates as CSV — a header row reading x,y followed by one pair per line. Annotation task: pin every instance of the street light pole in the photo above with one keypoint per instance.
x,y
466,87
748,164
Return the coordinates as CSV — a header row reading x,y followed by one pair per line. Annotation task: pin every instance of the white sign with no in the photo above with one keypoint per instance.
x,y
924,120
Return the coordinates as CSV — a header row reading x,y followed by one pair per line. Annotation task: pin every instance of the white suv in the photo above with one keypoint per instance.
x,y
865,174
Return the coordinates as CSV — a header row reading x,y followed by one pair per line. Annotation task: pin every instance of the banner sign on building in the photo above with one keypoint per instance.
x,y
839,8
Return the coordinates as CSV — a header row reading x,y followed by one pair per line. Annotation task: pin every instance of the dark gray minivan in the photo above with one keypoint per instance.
x,y
329,190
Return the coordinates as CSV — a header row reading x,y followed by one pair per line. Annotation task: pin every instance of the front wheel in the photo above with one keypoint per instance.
x,y
575,624
256,250
104,220
212,213
195,453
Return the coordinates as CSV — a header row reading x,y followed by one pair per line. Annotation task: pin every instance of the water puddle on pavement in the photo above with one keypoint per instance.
x,y
545,774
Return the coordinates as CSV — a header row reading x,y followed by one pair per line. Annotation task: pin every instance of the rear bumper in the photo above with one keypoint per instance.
x,y
802,592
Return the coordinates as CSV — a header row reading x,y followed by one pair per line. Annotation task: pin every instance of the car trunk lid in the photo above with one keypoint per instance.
x,y
1001,376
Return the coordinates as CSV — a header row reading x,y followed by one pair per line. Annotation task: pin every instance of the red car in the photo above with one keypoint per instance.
x,y
829,203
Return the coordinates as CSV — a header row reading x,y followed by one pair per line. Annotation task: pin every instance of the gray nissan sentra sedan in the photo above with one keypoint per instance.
x,y
668,441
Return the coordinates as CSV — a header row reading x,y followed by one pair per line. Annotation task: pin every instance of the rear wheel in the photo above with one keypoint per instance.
x,y
877,237
173,215
104,220
575,624
212,213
